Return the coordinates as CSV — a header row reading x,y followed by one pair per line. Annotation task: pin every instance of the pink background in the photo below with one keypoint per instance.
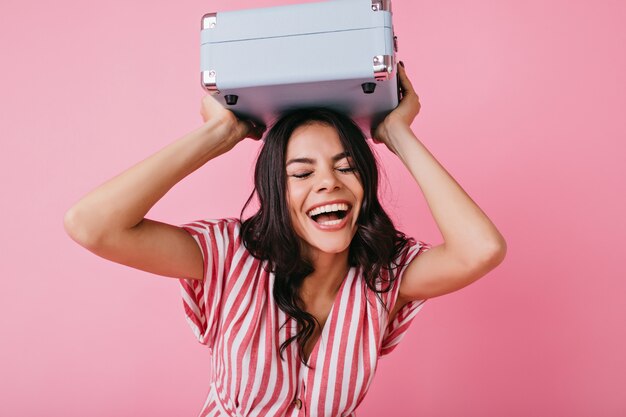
x,y
523,103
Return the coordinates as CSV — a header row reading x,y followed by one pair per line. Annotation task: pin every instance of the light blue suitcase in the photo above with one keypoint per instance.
x,y
338,54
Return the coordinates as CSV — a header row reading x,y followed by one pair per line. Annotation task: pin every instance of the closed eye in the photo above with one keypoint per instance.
x,y
302,175
306,174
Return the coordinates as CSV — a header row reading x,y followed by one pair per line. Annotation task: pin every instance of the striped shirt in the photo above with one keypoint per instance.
x,y
232,311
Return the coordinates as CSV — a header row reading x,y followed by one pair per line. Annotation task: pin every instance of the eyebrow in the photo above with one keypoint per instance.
x,y
311,161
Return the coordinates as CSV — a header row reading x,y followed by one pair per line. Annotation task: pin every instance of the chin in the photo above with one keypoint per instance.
x,y
332,249
328,245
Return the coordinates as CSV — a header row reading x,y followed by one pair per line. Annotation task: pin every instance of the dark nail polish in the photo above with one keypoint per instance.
x,y
402,64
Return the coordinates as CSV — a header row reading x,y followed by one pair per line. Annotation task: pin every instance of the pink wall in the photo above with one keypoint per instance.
x,y
523,103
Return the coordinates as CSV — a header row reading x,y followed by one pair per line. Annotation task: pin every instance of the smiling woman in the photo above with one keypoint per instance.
x,y
299,301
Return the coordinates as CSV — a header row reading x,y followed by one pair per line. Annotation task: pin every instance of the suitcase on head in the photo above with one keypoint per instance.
x,y
336,54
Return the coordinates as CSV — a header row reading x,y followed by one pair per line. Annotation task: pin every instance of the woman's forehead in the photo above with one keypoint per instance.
x,y
314,139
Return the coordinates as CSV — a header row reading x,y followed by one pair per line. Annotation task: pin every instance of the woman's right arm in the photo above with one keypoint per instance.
x,y
110,222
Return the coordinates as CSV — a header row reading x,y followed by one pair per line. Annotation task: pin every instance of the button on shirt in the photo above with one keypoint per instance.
x,y
232,311
297,403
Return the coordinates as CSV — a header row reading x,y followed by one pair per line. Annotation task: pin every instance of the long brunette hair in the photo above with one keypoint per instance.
x,y
269,235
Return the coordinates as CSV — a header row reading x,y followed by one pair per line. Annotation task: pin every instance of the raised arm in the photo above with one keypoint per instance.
x,y
472,244
110,222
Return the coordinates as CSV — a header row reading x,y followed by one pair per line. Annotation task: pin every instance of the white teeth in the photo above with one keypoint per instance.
x,y
328,208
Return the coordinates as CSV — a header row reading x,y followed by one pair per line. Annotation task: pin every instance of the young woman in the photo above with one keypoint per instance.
x,y
300,300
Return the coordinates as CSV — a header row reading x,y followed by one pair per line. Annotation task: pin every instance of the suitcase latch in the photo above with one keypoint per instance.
x,y
209,81
383,67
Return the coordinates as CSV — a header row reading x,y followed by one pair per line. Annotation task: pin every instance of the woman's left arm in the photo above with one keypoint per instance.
x,y
472,246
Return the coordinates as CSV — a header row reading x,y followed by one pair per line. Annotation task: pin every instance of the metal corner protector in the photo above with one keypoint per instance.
x,y
209,21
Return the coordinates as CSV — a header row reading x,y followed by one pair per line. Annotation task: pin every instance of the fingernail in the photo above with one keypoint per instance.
x,y
402,64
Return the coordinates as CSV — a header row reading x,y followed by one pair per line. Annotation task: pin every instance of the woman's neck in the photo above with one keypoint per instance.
x,y
330,271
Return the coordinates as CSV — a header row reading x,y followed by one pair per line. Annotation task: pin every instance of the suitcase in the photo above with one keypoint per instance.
x,y
337,54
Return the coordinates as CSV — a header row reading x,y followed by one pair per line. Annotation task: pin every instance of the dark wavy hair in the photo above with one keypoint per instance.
x,y
269,234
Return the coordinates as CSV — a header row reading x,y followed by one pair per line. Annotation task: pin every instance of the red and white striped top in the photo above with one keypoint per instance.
x,y
233,312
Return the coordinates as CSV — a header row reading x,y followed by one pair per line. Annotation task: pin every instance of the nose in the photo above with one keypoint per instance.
x,y
327,180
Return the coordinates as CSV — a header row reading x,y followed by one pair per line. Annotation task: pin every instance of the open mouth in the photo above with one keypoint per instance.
x,y
330,214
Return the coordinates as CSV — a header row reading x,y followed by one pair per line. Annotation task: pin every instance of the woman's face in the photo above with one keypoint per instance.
x,y
324,192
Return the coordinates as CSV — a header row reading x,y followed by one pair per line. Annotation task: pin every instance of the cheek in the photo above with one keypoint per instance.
x,y
295,202
296,197
357,189
359,195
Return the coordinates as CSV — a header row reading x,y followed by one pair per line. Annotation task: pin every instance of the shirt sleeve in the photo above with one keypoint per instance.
x,y
202,299
396,330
